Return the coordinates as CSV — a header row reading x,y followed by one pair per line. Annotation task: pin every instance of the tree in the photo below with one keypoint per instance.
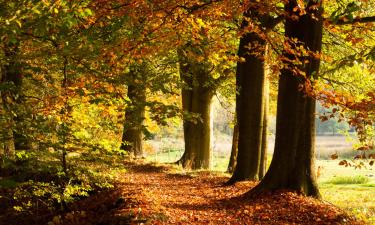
x,y
251,98
10,81
234,151
132,137
205,63
264,145
196,104
292,166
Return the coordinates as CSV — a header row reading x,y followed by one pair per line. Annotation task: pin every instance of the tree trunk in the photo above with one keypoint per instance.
x,y
250,77
197,134
292,166
10,75
263,152
132,137
196,104
234,151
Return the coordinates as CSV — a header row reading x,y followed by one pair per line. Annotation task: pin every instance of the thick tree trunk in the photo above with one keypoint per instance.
x,y
234,151
292,166
132,137
197,134
250,77
196,103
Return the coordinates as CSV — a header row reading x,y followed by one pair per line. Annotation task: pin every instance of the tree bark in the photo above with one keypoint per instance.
x,y
250,77
292,166
132,138
196,104
234,151
263,152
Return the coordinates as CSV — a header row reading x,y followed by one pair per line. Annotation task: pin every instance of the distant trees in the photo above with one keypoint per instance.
x,y
331,126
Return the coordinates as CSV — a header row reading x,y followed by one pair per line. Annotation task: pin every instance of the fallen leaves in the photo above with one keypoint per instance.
x,y
149,194
204,199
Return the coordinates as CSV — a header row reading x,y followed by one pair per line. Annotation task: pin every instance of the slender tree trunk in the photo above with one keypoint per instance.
x,y
132,138
292,166
263,152
234,151
196,104
250,77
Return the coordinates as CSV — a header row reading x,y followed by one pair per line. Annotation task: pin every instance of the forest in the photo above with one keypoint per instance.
x,y
120,112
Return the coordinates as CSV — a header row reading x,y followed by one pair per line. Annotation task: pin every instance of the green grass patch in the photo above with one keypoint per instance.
x,y
358,179
354,198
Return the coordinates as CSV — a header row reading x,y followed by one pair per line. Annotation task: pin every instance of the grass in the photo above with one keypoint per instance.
x,y
354,198
350,189
357,179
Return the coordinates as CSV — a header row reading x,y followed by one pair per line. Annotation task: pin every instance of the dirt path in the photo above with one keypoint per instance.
x,y
158,195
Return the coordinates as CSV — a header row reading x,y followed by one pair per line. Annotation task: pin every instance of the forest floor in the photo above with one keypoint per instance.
x,y
148,193
162,194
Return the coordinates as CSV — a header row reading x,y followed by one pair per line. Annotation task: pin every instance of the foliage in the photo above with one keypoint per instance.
x,y
36,185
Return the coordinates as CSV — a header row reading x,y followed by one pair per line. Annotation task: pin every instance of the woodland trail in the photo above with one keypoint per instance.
x,y
157,194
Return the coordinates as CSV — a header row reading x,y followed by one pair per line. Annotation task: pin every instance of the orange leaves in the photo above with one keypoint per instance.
x,y
334,156
166,197
344,163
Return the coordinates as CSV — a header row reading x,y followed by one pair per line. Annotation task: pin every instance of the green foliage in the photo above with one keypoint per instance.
x,y
36,183
347,12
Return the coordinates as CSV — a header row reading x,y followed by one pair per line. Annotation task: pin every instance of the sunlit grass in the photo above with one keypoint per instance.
x,y
348,188
357,179
357,199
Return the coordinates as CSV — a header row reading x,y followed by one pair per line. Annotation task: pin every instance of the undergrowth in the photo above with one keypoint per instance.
x,y
34,184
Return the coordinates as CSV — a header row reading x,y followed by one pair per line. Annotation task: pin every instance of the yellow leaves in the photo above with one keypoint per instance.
x,y
200,22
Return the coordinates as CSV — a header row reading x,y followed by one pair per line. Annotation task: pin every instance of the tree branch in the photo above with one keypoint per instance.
x,y
345,20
